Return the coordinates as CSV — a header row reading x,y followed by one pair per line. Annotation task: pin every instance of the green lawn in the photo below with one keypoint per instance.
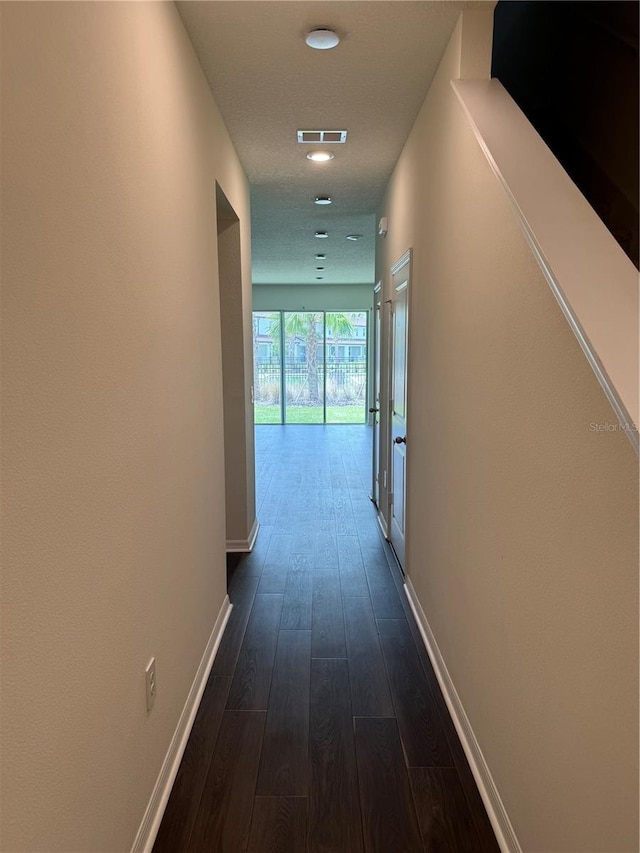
x,y
310,414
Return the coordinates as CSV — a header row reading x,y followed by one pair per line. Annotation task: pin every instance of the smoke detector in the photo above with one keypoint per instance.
x,y
322,39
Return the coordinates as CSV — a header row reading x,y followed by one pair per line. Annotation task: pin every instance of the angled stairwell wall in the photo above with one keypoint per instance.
x,y
522,531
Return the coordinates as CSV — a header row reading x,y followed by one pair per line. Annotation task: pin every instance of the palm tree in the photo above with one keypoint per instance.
x,y
305,325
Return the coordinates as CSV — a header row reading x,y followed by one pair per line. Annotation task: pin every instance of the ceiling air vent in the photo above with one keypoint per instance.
x,y
317,136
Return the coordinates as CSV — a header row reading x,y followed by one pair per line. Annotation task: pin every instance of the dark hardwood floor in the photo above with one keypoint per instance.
x,y
322,727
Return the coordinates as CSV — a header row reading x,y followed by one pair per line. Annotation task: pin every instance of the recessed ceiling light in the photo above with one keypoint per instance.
x,y
320,156
323,199
319,268
354,236
322,39
319,277
321,257
321,234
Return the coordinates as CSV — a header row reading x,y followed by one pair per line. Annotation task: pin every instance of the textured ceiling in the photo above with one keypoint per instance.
x,y
268,84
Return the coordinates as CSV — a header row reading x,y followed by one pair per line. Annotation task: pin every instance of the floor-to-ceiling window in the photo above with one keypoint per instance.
x,y
267,366
304,398
310,367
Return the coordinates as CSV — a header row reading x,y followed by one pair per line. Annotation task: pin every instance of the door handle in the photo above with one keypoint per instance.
x,y
374,410
400,439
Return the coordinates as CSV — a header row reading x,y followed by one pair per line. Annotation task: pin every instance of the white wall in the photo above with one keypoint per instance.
x,y
330,297
113,473
523,521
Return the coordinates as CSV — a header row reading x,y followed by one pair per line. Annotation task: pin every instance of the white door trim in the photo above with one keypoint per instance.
x,y
400,281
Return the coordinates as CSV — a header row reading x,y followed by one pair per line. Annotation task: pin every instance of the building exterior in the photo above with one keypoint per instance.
x,y
342,348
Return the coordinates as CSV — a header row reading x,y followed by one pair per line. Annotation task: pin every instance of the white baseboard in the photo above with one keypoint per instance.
x,y
153,815
383,525
244,546
505,834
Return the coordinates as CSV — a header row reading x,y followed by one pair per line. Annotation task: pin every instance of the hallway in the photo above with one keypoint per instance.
x,y
322,727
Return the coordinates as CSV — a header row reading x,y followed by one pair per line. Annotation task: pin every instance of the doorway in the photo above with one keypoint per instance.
x,y
400,278
241,526
374,411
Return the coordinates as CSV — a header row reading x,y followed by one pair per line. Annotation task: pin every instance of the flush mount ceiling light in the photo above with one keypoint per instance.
x,y
322,38
322,199
354,236
321,234
320,156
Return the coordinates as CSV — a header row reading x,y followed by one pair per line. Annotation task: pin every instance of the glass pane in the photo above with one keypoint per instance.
x,y
303,367
346,367
267,372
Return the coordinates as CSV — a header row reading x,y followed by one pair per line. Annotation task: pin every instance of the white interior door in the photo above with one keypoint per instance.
x,y
398,433
375,409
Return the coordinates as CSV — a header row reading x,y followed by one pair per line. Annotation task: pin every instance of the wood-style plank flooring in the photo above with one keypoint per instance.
x,y
322,727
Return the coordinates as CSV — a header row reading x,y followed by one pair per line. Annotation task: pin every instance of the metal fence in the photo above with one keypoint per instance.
x,y
346,383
